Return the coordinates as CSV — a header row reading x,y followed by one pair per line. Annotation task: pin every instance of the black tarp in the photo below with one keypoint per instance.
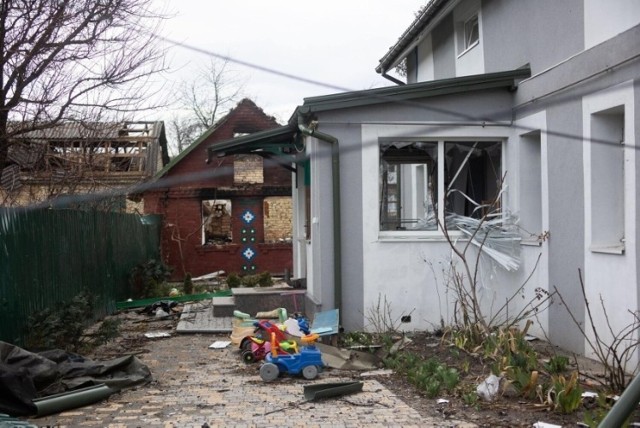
x,y
26,375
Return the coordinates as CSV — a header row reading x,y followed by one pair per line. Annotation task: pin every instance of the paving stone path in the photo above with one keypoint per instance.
x,y
195,386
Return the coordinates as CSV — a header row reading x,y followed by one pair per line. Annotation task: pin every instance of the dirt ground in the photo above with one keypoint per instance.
x,y
502,412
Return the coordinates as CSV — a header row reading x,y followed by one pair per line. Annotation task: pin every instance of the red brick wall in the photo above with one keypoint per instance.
x,y
180,206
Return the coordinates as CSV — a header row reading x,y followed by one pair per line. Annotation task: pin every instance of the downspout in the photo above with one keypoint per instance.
x,y
392,79
337,235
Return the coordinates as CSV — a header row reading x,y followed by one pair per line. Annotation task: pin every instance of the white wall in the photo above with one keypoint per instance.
x,y
604,19
535,254
611,275
409,269
470,61
425,60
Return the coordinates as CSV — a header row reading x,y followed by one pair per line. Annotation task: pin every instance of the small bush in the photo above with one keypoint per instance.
x,y
149,279
187,285
233,280
265,280
61,327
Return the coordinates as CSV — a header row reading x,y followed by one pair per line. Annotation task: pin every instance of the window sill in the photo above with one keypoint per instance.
x,y
531,242
473,45
417,236
607,249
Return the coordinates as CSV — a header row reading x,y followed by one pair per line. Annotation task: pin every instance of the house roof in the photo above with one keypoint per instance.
x,y
506,79
284,140
116,148
272,141
412,35
206,134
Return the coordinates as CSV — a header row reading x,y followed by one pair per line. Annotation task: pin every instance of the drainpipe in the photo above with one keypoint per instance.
x,y
623,408
337,236
392,79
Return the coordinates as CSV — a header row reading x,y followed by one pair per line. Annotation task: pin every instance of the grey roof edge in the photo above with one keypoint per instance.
x,y
454,85
185,152
274,135
429,12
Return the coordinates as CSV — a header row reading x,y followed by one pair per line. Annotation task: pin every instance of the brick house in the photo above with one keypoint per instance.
x,y
233,213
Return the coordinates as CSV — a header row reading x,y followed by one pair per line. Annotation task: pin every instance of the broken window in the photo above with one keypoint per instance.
x,y
278,219
216,222
415,176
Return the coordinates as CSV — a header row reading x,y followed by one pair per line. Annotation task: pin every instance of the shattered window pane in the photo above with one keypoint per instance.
x,y
407,182
409,174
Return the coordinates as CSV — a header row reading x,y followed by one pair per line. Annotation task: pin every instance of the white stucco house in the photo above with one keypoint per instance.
x,y
544,94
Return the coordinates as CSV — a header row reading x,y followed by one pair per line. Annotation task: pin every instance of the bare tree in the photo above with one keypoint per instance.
x,y
212,92
65,60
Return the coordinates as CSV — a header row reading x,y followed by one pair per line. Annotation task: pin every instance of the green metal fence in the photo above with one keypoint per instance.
x,y
49,256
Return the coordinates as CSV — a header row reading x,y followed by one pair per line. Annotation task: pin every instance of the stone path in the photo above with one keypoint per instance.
x,y
194,385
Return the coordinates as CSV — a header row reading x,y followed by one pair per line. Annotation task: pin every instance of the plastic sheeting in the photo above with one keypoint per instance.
x,y
25,376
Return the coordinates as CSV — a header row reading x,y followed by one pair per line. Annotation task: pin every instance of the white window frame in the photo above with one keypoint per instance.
x,y
618,98
437,234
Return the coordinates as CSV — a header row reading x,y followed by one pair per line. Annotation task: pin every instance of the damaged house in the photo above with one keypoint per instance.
x,y
83,158
502,108
233,213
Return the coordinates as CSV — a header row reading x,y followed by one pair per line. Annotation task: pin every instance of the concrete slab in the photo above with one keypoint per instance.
x,y
198,318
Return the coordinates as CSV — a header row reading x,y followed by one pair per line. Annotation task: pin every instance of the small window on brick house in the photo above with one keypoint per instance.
x,y
216,222
248,169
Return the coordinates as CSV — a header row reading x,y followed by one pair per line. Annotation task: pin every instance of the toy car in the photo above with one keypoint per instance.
x,y
307,361
254,348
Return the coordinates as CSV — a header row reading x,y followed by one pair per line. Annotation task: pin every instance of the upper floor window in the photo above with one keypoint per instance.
x,y
423,182
471,33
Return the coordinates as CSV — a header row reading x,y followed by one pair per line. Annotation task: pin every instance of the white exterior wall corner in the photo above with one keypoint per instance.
x,y
534,258
611,279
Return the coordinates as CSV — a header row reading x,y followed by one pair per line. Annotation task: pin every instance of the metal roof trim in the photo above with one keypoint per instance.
x,y
414,30
412,91
275,136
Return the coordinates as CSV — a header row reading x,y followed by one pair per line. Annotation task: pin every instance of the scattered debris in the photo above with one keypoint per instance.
x,y
442,401
157,335
334,389
489,388
381,372
545,425
208,276
220,344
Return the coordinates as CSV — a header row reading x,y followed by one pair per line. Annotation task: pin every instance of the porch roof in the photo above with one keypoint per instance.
x,y
274,141
404,93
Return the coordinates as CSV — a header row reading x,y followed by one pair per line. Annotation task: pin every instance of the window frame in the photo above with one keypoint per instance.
x,y
438,233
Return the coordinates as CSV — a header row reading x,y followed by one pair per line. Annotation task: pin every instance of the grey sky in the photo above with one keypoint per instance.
x,y
337,42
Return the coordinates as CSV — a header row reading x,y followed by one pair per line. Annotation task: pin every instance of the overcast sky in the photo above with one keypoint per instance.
x,y
336,42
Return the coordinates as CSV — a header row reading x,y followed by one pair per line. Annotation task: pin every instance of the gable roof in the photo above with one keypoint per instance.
x,y
206,134
413,34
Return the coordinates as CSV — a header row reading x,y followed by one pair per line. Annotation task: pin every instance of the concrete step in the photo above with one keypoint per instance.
x,y
223,306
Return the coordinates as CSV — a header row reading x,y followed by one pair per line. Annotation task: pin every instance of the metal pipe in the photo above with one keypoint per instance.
x,y
337,234
625,405
71,399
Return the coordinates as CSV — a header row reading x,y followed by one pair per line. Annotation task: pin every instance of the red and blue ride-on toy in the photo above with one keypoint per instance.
x,y
256,347
308,361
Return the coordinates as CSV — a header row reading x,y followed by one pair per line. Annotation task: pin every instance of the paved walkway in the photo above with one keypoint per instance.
x,y
194,385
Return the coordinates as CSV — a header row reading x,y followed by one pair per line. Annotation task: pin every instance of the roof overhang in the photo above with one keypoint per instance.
x,y
272,142
405,93
430,16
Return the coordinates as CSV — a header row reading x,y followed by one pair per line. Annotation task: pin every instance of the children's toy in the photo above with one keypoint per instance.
x,y
308,361
254,348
